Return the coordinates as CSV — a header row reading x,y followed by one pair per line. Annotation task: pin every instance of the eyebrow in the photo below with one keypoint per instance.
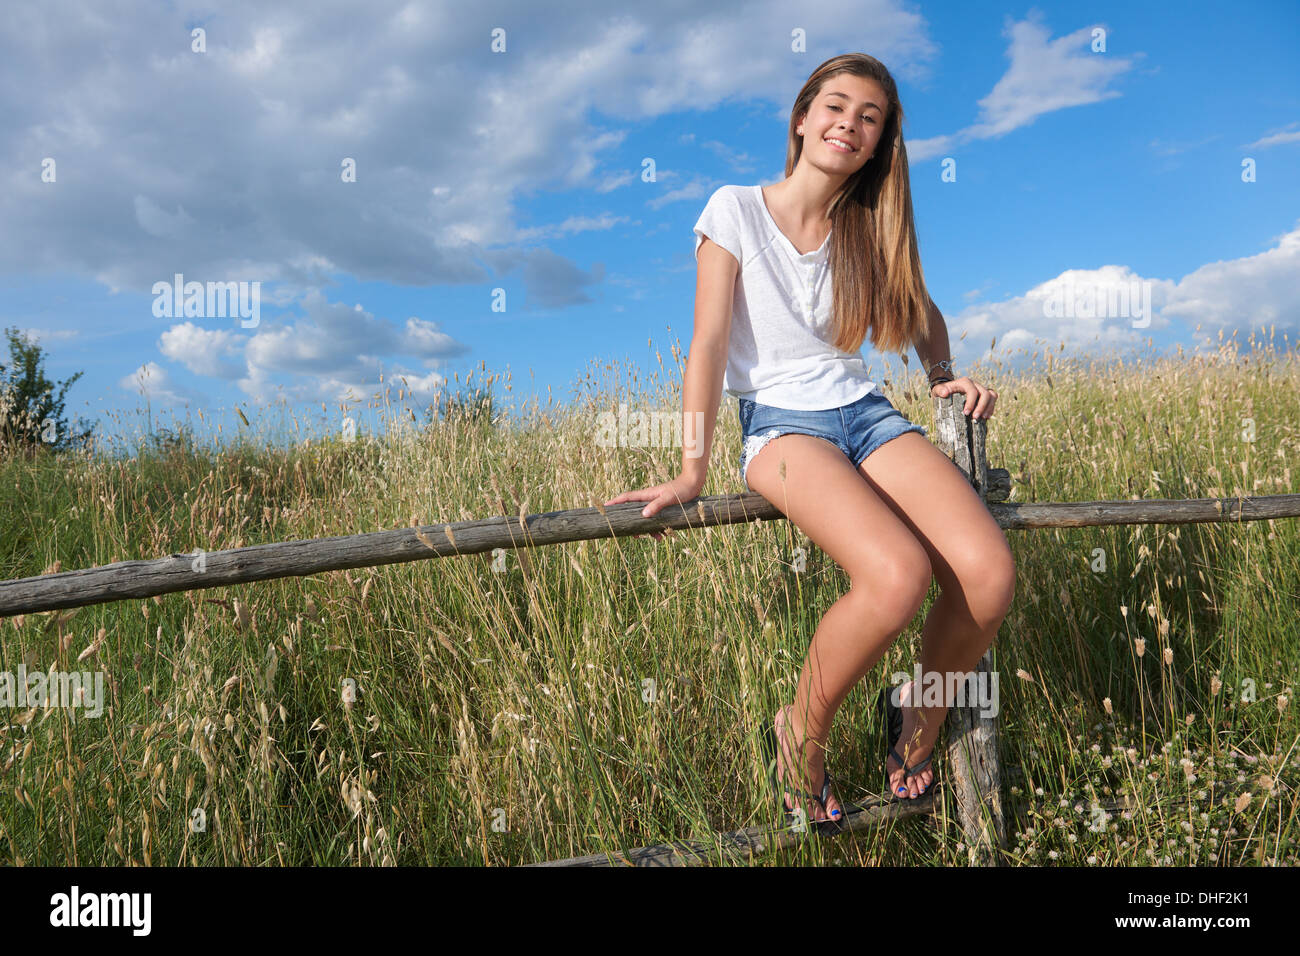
x,y
868,103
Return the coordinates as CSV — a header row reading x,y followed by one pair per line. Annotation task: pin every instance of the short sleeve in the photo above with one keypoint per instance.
x,y
720,221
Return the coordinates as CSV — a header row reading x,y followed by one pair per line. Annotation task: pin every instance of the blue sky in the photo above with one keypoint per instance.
x,y
521,171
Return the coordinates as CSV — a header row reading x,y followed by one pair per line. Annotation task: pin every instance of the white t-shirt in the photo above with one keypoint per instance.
x,y
780,351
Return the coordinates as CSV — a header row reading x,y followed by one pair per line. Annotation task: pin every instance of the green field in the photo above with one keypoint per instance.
x,y
499,714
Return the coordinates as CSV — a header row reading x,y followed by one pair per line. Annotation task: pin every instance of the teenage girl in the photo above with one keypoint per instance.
x,y
791,278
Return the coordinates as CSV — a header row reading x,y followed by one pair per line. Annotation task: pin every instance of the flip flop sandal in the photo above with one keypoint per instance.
x,y
893,721
779,792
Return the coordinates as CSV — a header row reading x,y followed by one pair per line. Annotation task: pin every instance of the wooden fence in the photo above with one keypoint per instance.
x,y
973,774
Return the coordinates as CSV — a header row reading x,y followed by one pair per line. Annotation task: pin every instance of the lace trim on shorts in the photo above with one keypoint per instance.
x,y
753,445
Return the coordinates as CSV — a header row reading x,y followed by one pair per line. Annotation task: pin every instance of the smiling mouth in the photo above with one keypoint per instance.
x,y
838,148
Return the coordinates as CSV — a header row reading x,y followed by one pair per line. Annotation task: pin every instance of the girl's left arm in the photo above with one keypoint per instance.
x,y
979,398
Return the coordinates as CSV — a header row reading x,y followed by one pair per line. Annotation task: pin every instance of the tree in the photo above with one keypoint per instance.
x,y
31,414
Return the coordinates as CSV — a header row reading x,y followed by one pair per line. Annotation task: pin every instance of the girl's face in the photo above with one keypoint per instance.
x,y
850,110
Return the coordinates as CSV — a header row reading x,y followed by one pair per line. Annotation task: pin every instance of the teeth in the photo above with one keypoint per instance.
x,y
840,142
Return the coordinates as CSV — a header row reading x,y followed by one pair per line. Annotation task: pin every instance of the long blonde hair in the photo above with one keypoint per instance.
x,y
877,283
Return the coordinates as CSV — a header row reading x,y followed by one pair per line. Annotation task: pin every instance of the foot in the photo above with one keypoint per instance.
x,y
814,764
912,748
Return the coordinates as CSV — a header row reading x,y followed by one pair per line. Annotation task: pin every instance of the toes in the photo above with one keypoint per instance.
x,y
909,788
896,784
921,782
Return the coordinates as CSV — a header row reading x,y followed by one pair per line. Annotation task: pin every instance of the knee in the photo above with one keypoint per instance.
x,y
989,586
896,585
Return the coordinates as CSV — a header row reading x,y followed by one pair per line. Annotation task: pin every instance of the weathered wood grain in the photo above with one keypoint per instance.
x,y
744,846
176,572
260,562
973,772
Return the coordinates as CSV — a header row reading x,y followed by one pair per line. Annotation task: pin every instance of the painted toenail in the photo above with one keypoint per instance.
x,y
902,790
835,814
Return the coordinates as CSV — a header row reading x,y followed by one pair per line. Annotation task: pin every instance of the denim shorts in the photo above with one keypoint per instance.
x,y
857,429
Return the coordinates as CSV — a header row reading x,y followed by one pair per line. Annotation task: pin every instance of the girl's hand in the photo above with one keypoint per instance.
x,y
978,398
678,491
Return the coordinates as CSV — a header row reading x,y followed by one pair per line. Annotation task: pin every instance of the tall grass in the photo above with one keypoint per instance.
x,y
500,709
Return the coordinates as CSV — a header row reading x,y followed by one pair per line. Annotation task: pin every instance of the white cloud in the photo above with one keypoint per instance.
x,y
1287,134
1044,75
425,340
919,149
203,351
331,348
1247,294
334,347
335,338
423,385
570,226
227,163
153,382
1250,293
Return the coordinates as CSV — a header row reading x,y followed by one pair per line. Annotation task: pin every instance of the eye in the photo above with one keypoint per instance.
x,y
864,115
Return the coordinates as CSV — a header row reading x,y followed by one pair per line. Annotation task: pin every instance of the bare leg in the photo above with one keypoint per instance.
x,y
972,563
826,498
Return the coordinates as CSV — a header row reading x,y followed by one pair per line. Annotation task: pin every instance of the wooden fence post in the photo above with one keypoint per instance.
x,y
972,756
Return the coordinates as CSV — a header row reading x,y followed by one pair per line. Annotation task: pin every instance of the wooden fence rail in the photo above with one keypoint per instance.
x,y
743,846
186,571
973,777
747,845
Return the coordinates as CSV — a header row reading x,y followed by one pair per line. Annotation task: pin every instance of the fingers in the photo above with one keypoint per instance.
x,y
979,399
969,392
627,496
944,389
640,494
984,405
652,509
657,501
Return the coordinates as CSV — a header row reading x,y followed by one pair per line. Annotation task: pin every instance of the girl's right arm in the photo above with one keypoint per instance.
x,y
715,285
